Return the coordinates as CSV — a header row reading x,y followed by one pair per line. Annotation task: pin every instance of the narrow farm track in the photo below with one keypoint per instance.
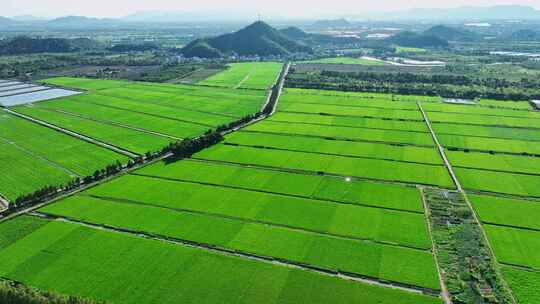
x,y
280,85
75,134
242,81
245,255
460,190
281,82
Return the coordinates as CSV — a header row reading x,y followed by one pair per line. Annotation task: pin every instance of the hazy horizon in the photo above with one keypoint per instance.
x,y
277,8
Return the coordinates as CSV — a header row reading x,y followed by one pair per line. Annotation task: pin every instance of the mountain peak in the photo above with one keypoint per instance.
x,y
258,38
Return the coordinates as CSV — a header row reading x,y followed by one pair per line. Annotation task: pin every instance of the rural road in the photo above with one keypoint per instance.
x,y
460,190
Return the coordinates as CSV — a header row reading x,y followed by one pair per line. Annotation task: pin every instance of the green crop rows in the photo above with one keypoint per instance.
x,y
346,220
344,166
366,258
292,96
328,185
308,186
495,162
350,111
515,246
77,260
347,121
524,283
337,132
337,147
33,162
482,131
506,211
252,75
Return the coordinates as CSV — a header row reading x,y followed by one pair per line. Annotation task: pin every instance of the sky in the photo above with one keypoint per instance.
x,y
285,8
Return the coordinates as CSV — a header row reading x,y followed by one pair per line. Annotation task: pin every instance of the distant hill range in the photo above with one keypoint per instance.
x,y
7,21
525,35
26,45
451,33
332,23
418,40
258,38
497,12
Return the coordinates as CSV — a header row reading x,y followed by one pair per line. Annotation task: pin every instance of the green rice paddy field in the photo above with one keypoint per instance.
x,y
354,122
304,97
336,147
330,182
345,166
351,111
343,133
365,95
251,75
308,186
78,260
142,117
36,157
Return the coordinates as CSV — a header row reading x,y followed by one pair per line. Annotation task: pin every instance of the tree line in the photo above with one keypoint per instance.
x,y
19,294
459,80
411,85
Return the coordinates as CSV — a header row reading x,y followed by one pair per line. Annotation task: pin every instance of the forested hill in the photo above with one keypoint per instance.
x,y
411,39
256,39
27,45
451,33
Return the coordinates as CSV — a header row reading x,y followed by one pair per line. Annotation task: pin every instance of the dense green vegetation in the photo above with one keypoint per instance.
x,y
346,60
20,294
26,45
470,273
441,83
